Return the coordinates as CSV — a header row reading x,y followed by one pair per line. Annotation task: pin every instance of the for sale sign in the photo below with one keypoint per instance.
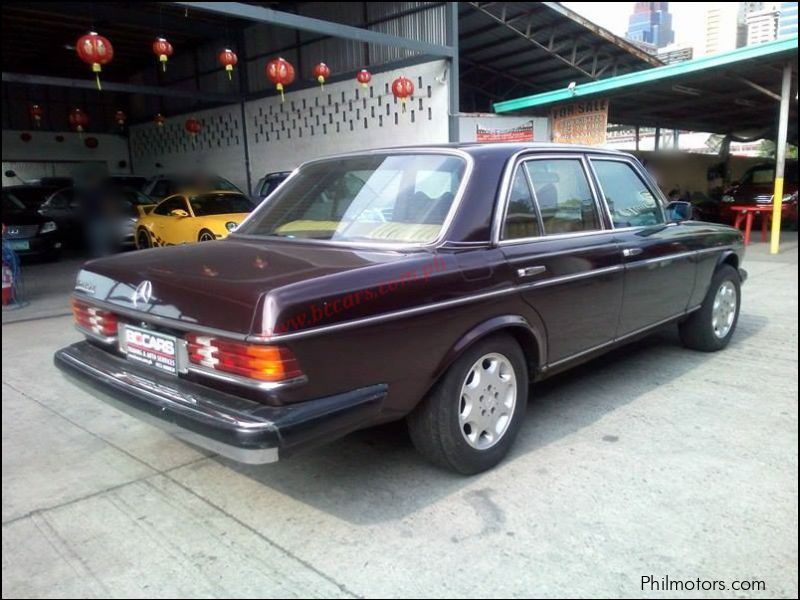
x,y
580,122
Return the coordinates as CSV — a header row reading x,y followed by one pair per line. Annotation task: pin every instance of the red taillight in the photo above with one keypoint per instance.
x,y
264,363
95,320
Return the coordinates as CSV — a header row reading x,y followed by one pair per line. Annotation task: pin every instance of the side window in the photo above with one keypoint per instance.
x,y
629,200
564,196
58,201
521,220
170,204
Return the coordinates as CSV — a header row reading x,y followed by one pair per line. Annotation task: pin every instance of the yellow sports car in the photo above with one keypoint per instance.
x,y
185,218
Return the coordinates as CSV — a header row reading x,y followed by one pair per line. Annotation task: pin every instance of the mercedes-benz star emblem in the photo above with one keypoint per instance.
x,y
143,293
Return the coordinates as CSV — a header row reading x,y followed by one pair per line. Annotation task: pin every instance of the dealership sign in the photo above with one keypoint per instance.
x,y
522,133
580,122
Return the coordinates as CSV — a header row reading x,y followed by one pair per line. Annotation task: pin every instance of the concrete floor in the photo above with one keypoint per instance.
x,y
653,460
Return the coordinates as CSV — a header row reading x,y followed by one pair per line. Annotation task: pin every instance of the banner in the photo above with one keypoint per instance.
x,y
580,123
521,133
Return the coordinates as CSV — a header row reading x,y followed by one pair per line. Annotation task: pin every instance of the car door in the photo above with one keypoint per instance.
x,y
659,256
166,228
562,253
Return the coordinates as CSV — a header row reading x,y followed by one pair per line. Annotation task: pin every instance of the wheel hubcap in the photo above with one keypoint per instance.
x,y
486,405
206,238
724,310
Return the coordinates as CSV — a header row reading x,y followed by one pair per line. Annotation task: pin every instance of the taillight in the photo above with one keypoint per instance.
x,y
95,320
264,363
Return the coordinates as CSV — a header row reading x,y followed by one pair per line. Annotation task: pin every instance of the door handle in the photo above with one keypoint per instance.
x,y
629,252
530,271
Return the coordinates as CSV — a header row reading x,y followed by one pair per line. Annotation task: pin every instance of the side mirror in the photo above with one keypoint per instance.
x,y
178,212
679,211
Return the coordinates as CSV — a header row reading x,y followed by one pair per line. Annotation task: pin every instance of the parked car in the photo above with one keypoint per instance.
x,y
66,207
161,186
267,184
24,230
757,186
431,283
188,218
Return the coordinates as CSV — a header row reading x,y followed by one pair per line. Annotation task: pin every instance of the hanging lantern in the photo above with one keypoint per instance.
x,y
37,113
120,117
364,77
403,89
78,120
25,137
163,50
281,73
193,126
228,59
321,73
95,50
159,120
91,143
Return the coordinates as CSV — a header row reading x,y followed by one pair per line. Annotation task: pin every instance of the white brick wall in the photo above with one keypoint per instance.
x,y
310,123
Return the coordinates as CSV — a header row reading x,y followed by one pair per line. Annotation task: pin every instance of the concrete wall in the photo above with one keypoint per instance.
x,y
310,123
44,156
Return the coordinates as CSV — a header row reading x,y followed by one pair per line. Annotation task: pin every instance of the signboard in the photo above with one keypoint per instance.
x,y
521,133
580,122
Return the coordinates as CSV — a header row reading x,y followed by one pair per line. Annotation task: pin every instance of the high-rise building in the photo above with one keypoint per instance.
x,y
651,23
725,27
675,53
762,21
787,19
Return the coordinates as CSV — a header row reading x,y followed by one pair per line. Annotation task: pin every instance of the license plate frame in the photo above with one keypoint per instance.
x,y
19,244
151,349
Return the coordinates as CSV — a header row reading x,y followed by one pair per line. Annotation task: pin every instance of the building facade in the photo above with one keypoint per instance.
x,y
787,19
651,24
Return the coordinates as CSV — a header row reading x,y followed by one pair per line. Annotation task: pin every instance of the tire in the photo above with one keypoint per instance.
x,y
206,236
699,331
437,426
143,239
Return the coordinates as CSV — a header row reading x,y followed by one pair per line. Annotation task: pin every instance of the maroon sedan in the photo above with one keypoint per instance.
x,y
433,284
757,187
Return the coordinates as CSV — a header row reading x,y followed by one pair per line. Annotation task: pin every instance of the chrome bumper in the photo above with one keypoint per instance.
x,y
235,427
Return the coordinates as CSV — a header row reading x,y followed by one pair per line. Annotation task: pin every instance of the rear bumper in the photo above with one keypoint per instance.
x,y
237,428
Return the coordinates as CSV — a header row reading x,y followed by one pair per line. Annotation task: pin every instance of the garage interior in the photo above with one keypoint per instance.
x,y
86,488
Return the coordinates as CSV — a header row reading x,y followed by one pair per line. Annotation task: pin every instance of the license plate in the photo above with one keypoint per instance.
x,y
19,244
150,348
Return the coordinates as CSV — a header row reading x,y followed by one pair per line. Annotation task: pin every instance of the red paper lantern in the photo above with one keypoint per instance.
x,y
37,113
91,143
403,89
95,50
364,77
228,59
25,137
79,120
159,120
163,50
280,72
321,73
193,126
120,117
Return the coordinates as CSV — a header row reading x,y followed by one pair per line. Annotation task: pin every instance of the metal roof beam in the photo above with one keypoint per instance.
x,y
258,14
126,88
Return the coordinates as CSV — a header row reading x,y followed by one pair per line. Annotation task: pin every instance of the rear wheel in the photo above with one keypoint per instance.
x,y
711,327
143,239
469,420
206,236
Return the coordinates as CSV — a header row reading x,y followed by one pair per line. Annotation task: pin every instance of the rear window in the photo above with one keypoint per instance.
x,y
219,204
399,198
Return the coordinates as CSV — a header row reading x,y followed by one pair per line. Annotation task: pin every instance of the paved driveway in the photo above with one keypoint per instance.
x,y
653,460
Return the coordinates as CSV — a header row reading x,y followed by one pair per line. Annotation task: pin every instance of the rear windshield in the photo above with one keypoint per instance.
x,y
24,199
395,198
220,204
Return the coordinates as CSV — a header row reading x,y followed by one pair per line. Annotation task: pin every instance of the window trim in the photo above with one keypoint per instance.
x,y
520,160
647,180
517,167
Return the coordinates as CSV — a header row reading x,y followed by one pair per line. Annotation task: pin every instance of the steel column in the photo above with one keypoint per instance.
x,y
451,22
780,159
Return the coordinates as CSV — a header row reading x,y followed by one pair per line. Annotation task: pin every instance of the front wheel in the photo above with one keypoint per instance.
x,y
143,239
469,420
206,236
711,327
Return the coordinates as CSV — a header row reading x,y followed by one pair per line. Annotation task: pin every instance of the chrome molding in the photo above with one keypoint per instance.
x,y
571,277
108,340
262,386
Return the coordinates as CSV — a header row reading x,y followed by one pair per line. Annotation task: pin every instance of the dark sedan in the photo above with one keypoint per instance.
x,y
25,231
433,284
